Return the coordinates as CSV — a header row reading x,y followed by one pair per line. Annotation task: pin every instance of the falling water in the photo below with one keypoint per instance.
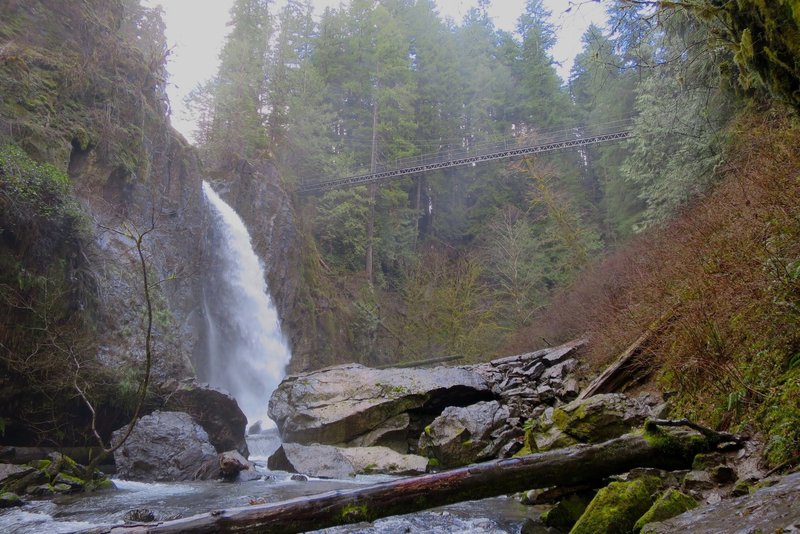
x,y
247,353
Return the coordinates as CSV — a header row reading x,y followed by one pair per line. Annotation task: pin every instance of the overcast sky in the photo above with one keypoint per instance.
x,y
197,28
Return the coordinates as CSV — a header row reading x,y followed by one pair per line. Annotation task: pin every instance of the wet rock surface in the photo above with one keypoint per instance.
x,y
327,461
165,446
216,411
338,404
770,509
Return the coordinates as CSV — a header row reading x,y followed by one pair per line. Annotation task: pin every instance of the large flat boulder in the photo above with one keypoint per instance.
x,y
770,509
327,461
165,446
338,404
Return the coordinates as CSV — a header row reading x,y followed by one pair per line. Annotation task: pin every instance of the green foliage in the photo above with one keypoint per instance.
x,y
40,217
679,135
765,39
453,313
231,105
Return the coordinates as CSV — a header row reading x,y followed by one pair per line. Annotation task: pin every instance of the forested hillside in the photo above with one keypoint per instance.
x,y
684,231
456,261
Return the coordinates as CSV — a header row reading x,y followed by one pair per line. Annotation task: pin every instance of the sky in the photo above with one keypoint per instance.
x,y
196,30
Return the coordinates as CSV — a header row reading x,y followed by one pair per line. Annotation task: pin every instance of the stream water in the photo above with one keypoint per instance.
x,y
76,513
246,355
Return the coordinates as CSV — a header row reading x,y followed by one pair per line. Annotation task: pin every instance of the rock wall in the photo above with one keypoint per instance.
x,y
82,88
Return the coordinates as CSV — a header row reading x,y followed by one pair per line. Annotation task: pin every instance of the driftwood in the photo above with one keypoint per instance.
x,y
619,373
572,466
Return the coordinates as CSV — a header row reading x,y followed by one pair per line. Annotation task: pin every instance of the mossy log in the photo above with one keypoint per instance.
x,y
580,464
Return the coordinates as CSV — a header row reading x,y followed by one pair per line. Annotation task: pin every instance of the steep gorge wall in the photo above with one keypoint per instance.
x,y
82,88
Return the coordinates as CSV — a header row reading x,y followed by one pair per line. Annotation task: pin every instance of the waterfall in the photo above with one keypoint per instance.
x,y
246,351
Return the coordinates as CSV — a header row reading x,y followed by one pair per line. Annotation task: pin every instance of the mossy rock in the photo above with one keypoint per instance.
x,y
616,508
705,461
554,438
10,500
742,487
671,503
600,417
76,484
567,512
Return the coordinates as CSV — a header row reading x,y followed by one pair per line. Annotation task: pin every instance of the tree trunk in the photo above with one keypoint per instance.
x,y
373,165
572,466
626,368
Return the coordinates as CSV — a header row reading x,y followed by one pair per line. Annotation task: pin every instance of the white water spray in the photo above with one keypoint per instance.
x,y
247,353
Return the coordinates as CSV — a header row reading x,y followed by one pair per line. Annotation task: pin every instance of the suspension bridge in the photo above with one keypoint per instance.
x,y
539,143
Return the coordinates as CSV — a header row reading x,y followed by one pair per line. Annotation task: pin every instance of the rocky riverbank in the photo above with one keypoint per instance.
x,y
350,419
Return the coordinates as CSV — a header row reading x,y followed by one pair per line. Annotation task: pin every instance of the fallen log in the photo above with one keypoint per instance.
x,y
572,466
625,368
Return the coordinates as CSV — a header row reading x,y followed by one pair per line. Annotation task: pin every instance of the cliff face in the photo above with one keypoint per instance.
x,y
82,89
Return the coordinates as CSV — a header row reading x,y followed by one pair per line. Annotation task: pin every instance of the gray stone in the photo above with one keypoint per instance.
x,y
164,446
461,436
338,404
216,411
600,417
392,433
569,390
383,460
772,509
10,473
560,370
327,461
697,480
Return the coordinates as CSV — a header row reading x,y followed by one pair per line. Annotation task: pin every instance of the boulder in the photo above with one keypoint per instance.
x,y
392,433
214,410
370,460
600,418
10,500
234,466
770,509
617,507
327,461
338,404
323,461
669,504
165,446
462,436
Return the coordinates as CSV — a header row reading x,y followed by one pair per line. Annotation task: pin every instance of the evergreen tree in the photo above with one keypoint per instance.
x,y
238,97
603,90
683,108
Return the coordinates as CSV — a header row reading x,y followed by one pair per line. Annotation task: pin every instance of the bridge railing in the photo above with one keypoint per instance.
x,y
520,140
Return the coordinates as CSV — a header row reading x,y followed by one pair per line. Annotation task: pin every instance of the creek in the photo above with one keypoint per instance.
x,y
245,353
76,513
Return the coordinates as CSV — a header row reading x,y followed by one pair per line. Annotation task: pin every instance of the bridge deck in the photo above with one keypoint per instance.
x,y
432,162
